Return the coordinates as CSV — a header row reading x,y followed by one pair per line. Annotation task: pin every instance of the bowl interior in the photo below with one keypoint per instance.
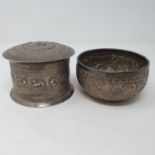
x,y
112,60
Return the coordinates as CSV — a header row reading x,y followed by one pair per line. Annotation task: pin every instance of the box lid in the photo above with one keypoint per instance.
x,y
40,51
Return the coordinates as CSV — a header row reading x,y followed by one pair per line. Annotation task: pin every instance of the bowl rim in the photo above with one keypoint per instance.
x,y
115,50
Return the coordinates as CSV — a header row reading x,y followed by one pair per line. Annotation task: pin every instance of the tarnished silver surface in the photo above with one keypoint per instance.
x,y
41,51
37,82
112,74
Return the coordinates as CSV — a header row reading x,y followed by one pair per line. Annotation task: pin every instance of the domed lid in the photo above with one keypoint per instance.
x,y
35,52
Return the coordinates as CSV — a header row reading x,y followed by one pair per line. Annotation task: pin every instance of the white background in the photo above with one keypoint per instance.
x,y
104,21
79,126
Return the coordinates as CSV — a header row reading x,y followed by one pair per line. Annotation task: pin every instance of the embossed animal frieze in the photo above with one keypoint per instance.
x,y
37,82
